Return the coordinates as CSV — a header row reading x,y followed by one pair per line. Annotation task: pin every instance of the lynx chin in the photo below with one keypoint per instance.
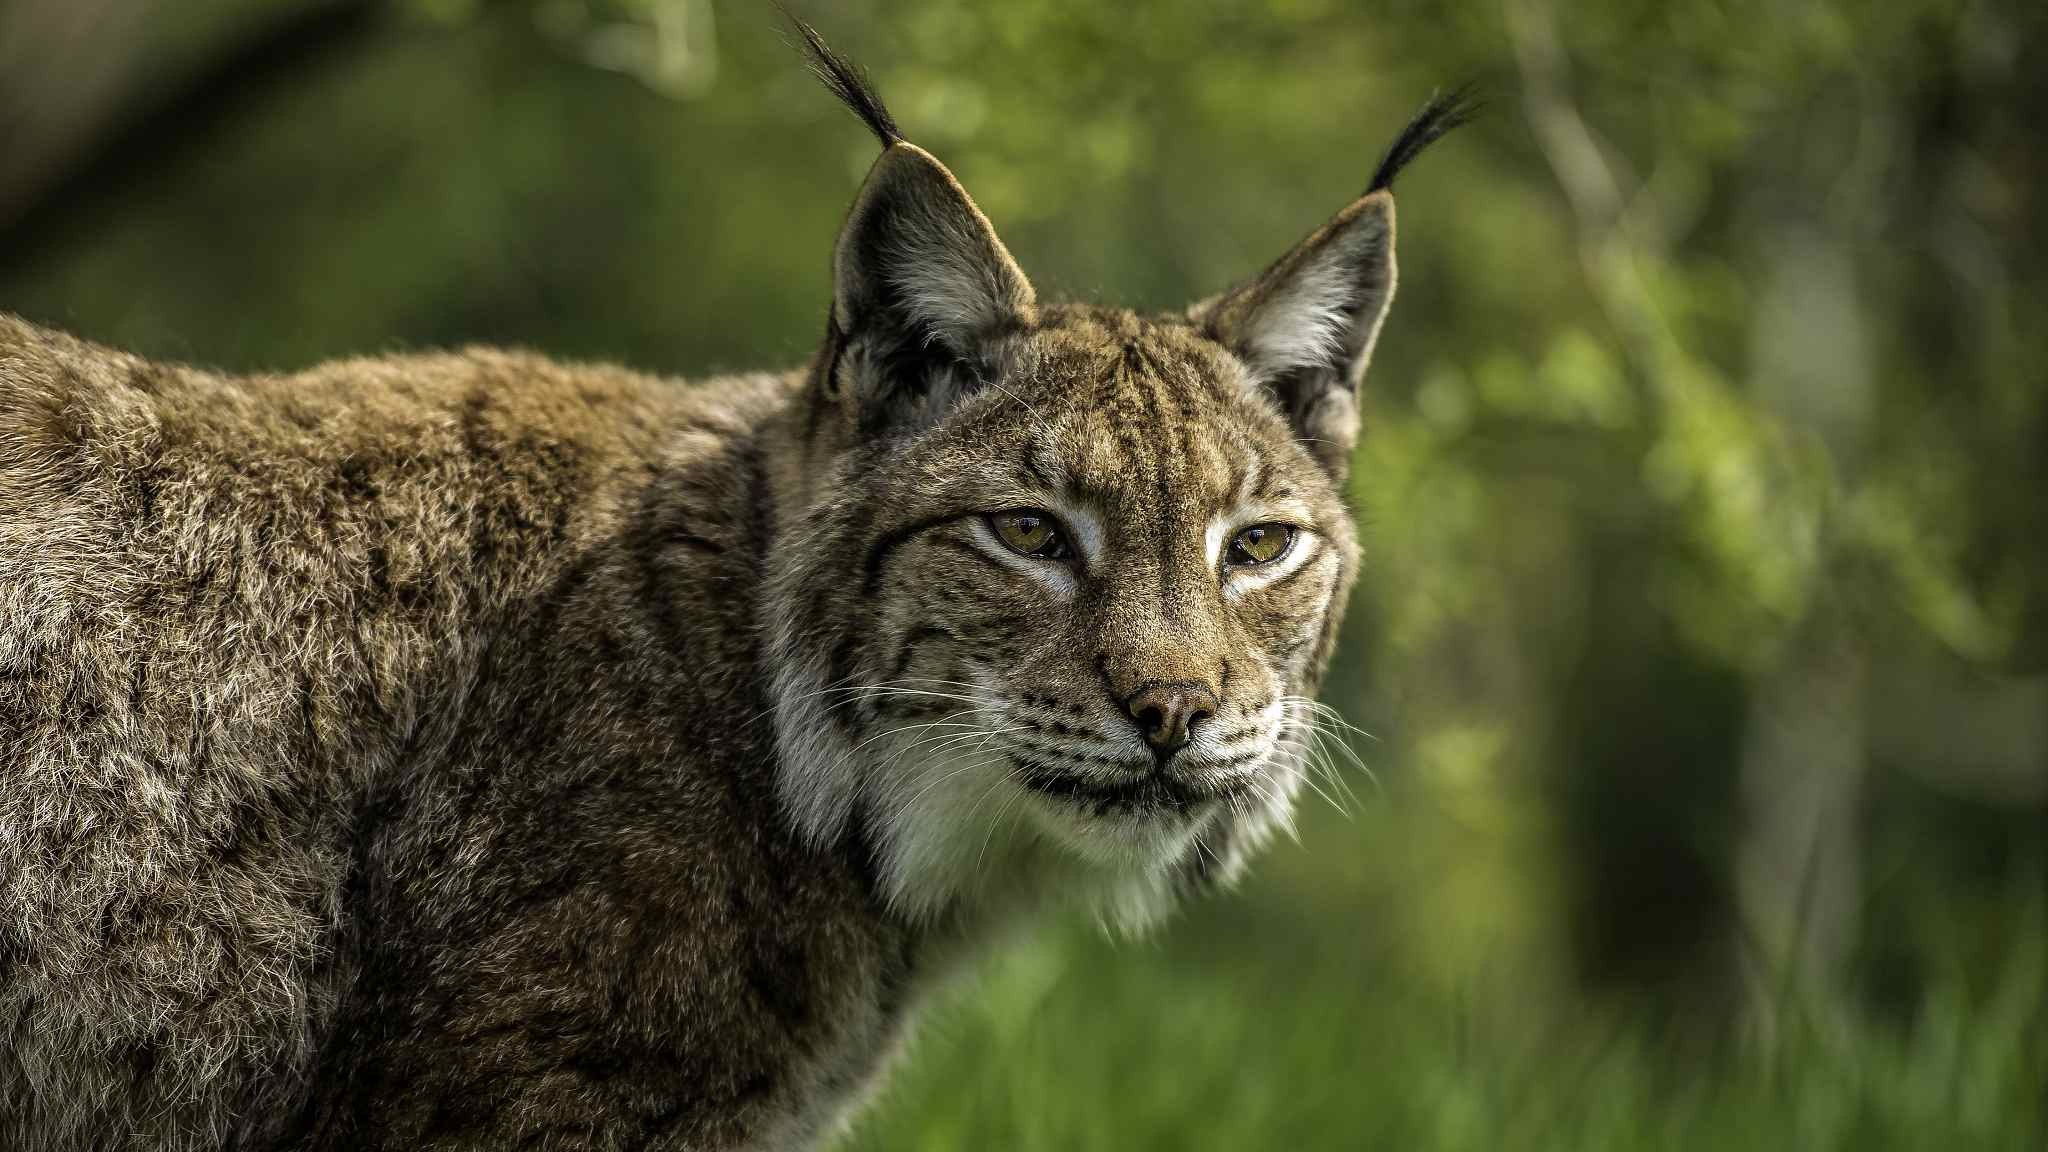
x,y
474,751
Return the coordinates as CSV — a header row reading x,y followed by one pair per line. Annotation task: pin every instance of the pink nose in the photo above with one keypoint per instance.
x,y
1166,712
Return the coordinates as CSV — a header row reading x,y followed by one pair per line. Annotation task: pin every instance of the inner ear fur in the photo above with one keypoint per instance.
x,y
919,272
1305,328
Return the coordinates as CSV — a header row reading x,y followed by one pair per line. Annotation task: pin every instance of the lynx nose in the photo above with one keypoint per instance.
x,y
1166,712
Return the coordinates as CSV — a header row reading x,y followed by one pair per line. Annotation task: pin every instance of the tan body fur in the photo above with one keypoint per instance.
x,y
294,671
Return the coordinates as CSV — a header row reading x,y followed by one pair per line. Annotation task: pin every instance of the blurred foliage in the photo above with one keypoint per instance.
x,y
1705,624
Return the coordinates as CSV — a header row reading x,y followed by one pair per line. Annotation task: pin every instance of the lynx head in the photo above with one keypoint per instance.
x,y
1063,577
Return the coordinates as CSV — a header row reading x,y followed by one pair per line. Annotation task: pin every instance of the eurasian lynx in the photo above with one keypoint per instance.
x,y
474,751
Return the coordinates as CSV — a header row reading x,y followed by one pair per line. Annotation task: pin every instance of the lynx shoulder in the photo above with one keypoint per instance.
x,y
469,750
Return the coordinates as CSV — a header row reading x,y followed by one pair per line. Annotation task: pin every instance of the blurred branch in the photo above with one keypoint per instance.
x,y
1574,156
63,70
669,45
80,107
1579,162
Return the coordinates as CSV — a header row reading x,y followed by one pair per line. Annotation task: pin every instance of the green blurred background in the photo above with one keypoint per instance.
x,y
1703,638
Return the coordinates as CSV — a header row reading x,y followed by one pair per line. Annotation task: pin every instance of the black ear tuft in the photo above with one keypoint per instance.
x,y
847,80
1445,111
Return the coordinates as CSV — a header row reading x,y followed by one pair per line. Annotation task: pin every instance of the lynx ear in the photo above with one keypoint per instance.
x,y
1305,328
922,290
922,263
922,286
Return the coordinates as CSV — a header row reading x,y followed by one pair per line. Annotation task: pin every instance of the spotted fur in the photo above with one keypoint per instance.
x,y
477,751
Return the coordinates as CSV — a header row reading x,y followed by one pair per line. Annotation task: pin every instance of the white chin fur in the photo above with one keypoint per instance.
x,y
954,829
958,828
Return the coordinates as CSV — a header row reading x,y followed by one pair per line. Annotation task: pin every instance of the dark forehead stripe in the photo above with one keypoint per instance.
x,y
1093,452
1130,416
1164,417
1200,424
1253,445
1210,452
1140,377
1236,445
1170,433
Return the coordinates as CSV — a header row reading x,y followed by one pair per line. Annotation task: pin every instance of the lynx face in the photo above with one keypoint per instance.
x,y
1065,577
1078,614
1140,579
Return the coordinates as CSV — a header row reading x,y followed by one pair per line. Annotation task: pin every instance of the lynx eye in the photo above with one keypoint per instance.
x,y
1260,544
1030,532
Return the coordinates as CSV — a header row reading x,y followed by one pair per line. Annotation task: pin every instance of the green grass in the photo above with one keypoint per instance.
x,y
1284,1017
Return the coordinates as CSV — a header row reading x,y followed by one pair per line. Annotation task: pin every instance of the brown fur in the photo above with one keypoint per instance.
x,y
477,751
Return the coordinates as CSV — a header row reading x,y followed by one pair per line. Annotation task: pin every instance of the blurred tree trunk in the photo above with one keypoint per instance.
x,y
82,80
1800,863
67,69
1799,867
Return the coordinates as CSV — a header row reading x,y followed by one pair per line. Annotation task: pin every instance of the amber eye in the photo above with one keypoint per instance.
x,y
1260,544
1030,532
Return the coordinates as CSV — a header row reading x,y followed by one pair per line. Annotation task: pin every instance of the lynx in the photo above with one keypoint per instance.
x,y
477,751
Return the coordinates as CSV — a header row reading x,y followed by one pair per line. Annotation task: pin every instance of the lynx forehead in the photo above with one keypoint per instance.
x,y
475,751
